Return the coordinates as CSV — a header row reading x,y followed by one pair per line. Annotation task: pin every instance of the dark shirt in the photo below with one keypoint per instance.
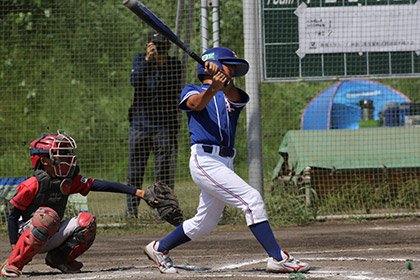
x,y
156,92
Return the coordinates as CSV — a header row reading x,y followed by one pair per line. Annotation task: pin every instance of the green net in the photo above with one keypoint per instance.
x,y
67,65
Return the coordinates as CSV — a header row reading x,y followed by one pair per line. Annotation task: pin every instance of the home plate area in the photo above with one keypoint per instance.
x,y
372,250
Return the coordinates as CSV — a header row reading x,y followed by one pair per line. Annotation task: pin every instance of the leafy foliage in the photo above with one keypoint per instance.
x,y
66,65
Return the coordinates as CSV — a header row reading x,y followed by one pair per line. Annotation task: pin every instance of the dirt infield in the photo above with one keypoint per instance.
x,y
336,250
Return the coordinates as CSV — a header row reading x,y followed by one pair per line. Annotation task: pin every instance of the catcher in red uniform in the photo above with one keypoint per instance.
x,y
35,224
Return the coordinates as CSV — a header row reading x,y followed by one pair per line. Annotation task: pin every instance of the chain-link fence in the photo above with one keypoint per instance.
x,y
335,146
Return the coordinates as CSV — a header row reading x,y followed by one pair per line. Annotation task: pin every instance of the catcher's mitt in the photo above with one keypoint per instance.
x,y
167,204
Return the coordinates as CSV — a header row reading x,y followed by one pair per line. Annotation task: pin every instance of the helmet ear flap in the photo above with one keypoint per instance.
x,y
37,164
40,147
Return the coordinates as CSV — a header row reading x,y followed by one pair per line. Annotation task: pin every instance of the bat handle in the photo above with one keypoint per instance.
x,y
199,60
228,82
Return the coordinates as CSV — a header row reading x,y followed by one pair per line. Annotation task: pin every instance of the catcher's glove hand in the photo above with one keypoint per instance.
x,y
162,197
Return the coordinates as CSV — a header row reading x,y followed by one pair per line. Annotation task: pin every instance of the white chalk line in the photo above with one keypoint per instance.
x,y
213,271
198,272
238,265
242,264
108,274
359,275
388,228
360,259
325,274
321,252
360,250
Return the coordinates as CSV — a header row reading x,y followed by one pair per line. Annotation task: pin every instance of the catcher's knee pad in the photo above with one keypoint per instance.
x,y
81,240
45,223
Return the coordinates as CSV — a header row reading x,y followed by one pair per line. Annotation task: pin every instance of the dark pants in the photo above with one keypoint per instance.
x,y
163,143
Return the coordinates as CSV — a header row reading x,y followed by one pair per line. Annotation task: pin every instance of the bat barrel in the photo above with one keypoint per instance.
x,y
129,3
153,21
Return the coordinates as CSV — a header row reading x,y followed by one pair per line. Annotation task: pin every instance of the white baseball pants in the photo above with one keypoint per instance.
x,y
219,185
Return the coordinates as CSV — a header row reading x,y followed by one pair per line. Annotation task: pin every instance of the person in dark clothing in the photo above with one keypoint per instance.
x,y
153,115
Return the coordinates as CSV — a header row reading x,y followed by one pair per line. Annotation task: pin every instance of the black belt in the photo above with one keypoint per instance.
x,y
224,151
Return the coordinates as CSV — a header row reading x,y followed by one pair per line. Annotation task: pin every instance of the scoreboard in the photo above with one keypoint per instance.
x,y
336,39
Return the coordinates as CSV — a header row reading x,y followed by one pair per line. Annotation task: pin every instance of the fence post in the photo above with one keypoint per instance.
x,y
253,109
204,27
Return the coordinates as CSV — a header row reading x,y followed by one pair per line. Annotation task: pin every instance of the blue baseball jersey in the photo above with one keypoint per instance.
x,y
216,123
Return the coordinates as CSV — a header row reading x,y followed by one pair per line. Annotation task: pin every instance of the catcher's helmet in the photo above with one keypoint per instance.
x,y
60,149
223,56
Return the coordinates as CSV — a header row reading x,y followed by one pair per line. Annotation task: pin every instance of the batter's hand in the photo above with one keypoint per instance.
x,y
211,68
219,77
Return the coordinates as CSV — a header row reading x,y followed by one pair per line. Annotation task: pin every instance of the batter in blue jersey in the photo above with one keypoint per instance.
x,y
213,110
216,123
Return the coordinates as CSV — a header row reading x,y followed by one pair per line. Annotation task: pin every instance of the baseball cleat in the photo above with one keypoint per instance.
x,y
287,265
9,270
67,268
162,260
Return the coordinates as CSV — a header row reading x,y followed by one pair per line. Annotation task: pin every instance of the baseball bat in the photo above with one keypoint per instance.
x,y
153,21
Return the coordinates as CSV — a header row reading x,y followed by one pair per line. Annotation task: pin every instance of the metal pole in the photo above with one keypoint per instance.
x,y
204,27
188,24
216,23
253,109
178,25
175,53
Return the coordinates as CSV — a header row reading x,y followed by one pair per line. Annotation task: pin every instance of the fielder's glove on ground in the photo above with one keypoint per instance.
x,y
167,204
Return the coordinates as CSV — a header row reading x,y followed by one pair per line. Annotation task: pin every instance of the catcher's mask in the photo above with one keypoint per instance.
x,y
60,149
221,56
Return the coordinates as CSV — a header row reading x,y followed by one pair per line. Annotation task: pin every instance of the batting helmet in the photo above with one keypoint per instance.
x,y
60,149
223,56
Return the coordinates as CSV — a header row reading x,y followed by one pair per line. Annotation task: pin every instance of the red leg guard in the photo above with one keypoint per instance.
x,y
85,235
64,256
26,247
44,223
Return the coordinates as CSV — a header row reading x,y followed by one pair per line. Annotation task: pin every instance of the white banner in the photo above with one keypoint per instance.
x,y
385,28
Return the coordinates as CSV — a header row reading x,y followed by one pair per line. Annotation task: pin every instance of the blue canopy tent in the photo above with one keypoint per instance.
x,y
337,107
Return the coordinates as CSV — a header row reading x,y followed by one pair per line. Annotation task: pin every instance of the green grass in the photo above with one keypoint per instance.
x,y
82,72
286,205
113,205
363,198
283,208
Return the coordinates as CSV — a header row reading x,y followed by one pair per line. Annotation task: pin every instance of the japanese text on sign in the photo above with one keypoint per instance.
x,y
392,28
